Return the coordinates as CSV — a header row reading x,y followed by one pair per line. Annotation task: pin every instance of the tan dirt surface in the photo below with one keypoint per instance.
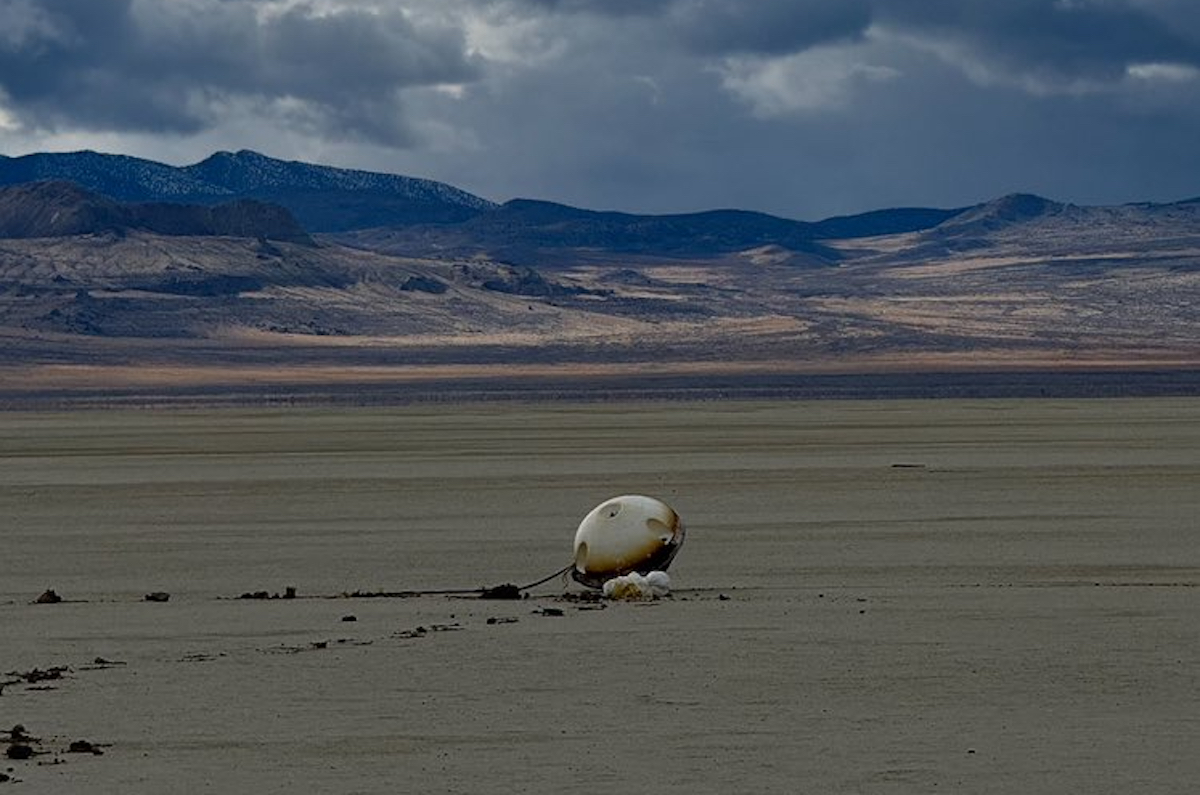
x,y
988,596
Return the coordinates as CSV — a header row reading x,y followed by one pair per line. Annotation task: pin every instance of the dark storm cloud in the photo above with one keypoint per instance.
x,y
1082,39
172,67
1057,37
614,8
358,53
809,109
714,27
767,26
799,107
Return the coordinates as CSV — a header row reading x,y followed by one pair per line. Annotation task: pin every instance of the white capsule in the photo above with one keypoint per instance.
x,y
631,533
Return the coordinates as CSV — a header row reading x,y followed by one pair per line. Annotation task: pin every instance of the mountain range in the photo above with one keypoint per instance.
x,y
323,198
241,266
419,216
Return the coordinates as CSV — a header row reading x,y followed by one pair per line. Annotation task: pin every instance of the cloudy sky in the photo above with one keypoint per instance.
x,y
804,108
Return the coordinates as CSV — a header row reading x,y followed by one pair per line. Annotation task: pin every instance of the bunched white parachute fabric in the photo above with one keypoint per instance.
x,y
633,587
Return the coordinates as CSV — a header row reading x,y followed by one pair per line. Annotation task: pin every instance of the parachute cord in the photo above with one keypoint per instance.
x,y
560,573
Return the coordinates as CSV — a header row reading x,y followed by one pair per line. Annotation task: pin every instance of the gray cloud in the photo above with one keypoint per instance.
x,y
841,122
170,67
799,107
772,27
714,27
614,8
1058,40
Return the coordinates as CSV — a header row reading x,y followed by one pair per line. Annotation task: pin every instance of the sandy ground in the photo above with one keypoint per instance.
x,y
953,596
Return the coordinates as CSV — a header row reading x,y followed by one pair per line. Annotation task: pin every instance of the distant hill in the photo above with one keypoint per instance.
x,y
529,232
432,218
322,198
56,209
412,217
1026,223
85,278
882,222
523,226
60,209
118,177
999,213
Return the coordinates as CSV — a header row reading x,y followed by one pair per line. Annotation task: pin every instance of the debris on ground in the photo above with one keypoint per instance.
x,y
422,631
505,591
21,746
201,656
19,751
418,632
595,598
288,593
18,734
84,747
36,675
100,664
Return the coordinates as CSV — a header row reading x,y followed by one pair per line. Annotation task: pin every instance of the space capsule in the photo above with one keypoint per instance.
x,y
630,533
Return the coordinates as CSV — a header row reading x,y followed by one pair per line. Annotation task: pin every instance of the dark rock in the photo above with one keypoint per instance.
x,y
49,597
84,747
19,751
418,632
38,675
505,591
423,284
289,592
158,596
349,618
521,281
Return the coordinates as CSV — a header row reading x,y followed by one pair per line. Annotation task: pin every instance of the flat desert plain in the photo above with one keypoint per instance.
x,y
983,596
